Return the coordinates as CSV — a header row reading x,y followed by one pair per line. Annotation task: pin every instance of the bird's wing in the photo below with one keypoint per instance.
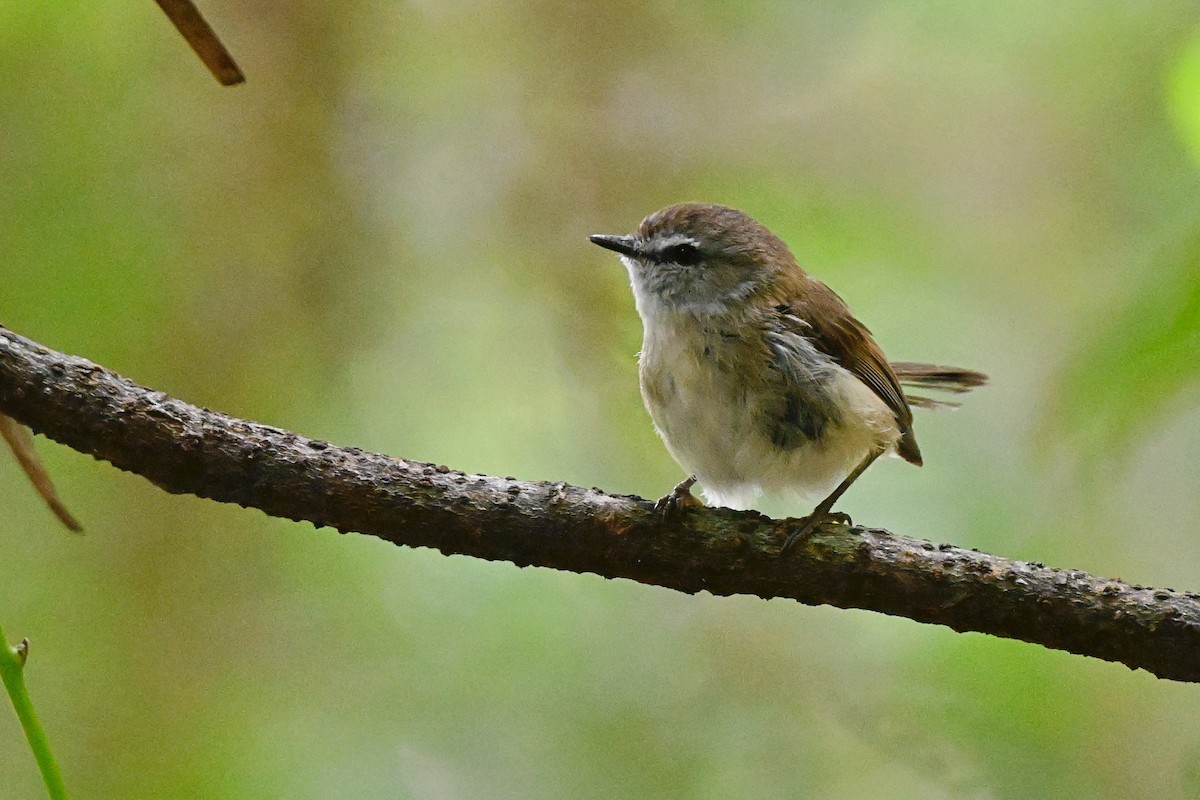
x,y
834,331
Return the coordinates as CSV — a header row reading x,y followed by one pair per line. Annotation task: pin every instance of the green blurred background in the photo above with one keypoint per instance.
x,y
381,240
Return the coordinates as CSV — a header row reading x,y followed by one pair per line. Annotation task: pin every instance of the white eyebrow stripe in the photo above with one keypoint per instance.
x,y
658,246
674,239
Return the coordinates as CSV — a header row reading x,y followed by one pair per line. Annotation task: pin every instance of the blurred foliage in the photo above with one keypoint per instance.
x,y
380,239
1136,367
1184,96
1143,353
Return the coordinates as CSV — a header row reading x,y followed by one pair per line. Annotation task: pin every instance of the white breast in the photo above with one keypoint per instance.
x,y
704,408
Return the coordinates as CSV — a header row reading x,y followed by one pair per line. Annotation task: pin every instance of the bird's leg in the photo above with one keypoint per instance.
x,y
679,498
821,512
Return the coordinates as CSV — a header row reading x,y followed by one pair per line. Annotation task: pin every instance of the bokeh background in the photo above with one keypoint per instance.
x,y
381,240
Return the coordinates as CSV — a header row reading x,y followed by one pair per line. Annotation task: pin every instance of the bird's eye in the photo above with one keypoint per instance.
x,y
684,254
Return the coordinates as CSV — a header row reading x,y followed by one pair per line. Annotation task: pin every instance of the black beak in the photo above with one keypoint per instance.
x,y
625,245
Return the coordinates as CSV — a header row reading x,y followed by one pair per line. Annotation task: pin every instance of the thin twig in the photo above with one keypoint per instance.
x,y
203,40
12,673
21,444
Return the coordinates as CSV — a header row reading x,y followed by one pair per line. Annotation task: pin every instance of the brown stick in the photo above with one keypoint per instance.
x,y
21,444
203,40
185,449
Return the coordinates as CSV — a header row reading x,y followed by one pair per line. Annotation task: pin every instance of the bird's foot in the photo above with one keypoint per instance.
x,y
807,526
670,505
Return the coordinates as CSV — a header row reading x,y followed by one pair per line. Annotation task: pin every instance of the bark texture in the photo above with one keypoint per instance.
x,y
185,449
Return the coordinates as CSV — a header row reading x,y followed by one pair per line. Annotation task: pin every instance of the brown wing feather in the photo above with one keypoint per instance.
x,y
837,333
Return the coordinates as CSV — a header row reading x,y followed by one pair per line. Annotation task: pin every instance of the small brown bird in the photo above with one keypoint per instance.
x,y
757,376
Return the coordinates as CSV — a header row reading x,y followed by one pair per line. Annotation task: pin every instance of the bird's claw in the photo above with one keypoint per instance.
x,y
670,505
808,526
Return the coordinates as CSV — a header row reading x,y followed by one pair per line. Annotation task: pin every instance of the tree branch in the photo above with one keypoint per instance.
x,y
185,449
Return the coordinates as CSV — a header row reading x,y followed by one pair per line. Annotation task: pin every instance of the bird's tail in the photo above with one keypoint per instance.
x,y
931,376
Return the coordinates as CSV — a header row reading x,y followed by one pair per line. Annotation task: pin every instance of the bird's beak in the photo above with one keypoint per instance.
x,y
625,245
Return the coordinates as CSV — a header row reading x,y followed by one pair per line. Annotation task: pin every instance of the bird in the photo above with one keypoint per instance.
x,y
756,375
